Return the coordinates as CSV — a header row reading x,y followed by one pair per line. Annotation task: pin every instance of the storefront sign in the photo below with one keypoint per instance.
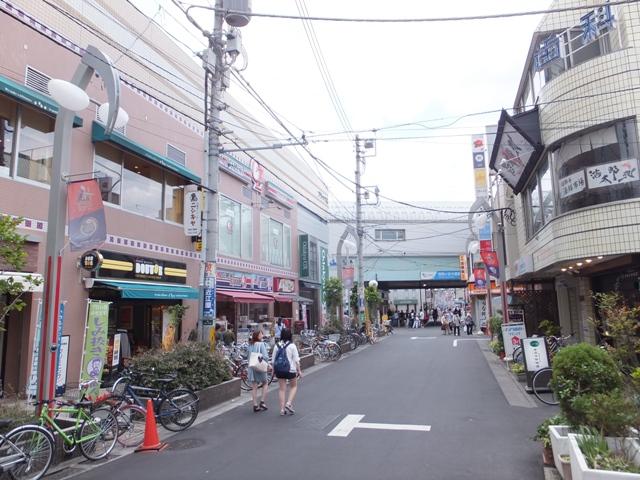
x,y
614,173
479,166
548,51
480,277
536,356
63,360
192,211
95,345
512,333
209,295
276,193
463,268
87,224
595,23
284,285
91,260
244,281
128,267
257,174
572,184
324,271
235,167
303,244
490,260
115,356
516,315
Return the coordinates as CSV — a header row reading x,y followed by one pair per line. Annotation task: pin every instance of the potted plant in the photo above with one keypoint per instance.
x,y
518,370
543,436
595,458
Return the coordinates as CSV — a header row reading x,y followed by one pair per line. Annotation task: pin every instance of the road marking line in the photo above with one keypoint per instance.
x,y
455,343
423,338
349,422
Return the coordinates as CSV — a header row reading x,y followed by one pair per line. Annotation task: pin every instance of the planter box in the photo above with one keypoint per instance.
x,y
345,347
581,471
307,361
217,394
522,377
559,444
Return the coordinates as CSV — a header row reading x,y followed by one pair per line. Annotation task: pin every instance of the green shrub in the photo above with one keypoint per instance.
x,y
548,328
331,328
610,413
517,368
596,452
228,337
496,346
542,433
193,363
579,370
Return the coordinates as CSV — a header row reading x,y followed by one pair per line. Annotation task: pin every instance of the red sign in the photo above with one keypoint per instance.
x,y
87,224
480,277
284,285
485,245
490,259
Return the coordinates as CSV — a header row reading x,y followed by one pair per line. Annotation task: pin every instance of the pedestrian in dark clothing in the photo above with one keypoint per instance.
x,y
468,321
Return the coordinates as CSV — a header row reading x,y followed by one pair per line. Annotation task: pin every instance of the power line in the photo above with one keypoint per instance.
x,y
423,19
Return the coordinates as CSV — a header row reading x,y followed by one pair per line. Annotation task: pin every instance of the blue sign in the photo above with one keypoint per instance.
x,y
209,306
595,23
485,232
59,349
548,51
447,275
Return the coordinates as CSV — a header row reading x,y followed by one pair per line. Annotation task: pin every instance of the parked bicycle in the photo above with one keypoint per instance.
x,y
541,382
238,362
26,452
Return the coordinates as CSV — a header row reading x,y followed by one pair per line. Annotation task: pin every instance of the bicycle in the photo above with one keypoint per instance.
x,y
176,409
542,389
92,428
26,452
131,419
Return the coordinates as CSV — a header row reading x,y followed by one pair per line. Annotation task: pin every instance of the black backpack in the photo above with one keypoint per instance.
x,y
281,364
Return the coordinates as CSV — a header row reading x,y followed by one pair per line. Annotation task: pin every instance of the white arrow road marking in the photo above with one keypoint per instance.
x,y
455,343
423,338
349,422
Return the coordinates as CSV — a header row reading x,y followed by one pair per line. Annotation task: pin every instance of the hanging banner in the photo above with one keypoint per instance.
x,y
479,168
59,350
35,355
209,302
94,353
490,259
87,224
480,277
115,356
463,267
63,358
192,211
348,275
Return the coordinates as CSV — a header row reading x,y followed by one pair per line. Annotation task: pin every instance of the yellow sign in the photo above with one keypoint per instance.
x,y
463,267
212,339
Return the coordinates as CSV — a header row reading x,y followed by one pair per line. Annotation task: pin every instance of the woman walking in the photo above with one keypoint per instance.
x,y
257,378
286,366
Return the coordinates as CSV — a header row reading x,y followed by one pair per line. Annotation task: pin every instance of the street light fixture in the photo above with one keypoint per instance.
x,y
71,97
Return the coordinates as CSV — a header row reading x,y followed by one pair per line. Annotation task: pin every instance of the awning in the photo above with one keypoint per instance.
x,y
279,298
304,300
32,284
98,134
32,97
147,290
237,296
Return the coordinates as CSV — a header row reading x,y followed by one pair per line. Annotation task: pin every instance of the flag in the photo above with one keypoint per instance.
x,y
87,224
490,259
480,277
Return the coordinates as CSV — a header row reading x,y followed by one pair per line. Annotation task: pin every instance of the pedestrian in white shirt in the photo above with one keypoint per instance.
x,y
291,356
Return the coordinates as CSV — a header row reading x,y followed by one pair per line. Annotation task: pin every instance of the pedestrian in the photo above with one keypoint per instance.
x,y
456,325
420,319
447,318
468,321
434,315
255,377
278,329
425,320
286,366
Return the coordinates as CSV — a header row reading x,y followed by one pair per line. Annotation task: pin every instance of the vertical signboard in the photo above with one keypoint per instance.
x,y
115,357
324,276
95,346
536,356
59,350
209,297
63,358
192,211
35,355
87,224
463,268
479,165
512,333
303,247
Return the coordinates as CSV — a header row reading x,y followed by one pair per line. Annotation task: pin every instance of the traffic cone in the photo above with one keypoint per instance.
x,y
151,439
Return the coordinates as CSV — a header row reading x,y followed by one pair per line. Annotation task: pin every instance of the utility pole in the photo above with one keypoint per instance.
x,y
359,231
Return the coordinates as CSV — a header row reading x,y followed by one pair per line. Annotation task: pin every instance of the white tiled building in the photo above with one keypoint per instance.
x,y
574,182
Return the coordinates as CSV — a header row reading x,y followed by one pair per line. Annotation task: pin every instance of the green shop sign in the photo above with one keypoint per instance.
x,y
324,270
303,246
95,346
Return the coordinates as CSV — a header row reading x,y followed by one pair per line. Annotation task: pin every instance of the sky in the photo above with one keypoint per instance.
x,y
427,75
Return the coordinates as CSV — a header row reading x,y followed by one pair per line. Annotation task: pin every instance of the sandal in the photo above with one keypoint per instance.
x,y
256,408
283,413
263,406
289,409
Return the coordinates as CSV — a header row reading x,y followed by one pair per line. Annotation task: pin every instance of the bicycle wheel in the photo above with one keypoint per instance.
x,y
542,387
243,374
27,452
98,435
518,355
178,410
334,350
131,424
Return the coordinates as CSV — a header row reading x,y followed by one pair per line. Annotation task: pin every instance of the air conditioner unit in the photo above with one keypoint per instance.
x,y
105,184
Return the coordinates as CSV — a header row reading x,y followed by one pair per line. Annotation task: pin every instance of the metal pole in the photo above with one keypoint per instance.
x,y
502,254
211,210
359,234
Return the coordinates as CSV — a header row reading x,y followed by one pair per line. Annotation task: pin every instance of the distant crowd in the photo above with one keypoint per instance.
x,y
451,321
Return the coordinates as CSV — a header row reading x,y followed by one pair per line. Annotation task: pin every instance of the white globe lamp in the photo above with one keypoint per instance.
x,y
373,283
68,95
121,119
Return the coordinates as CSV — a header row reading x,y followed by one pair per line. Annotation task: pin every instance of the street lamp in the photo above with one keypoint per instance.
x,y
71,97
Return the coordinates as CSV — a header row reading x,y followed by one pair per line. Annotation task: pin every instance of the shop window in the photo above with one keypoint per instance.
x,y
35,153
235,232
7,129
142,187
264,239
597,167
174,198
108,172
275,243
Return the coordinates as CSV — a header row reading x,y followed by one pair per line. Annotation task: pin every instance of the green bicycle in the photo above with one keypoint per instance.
x,y
94,431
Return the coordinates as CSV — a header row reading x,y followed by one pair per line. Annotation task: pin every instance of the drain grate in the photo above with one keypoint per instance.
x,y
186,444
316,421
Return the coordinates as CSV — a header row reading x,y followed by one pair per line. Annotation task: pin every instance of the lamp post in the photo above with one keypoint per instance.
x,y
72,98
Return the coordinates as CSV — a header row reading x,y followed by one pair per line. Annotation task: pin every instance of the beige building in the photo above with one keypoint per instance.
x,y
568,165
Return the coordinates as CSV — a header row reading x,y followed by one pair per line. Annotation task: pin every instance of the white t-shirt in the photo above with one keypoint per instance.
x,y
292,355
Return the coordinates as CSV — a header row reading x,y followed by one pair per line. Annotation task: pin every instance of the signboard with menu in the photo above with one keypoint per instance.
x,y
512,333
536,356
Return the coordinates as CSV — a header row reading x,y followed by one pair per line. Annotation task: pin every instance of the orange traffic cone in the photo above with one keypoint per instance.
x,y
151,439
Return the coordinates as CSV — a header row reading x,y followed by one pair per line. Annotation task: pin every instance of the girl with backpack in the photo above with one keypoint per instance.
x,y
286,366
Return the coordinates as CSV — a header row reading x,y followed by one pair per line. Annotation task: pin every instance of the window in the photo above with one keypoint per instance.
x,y
275,243
581,52
36,146
264,239
597,167
313,261
173,198
535,214
389,235
235,229
546,192
142,187
286,246
6,144
108,171
176,154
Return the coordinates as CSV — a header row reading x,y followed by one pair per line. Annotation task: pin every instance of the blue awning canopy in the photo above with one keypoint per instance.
x,y
98,134
32,97
149,291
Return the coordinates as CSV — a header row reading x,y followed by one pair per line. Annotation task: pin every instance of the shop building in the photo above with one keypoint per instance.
x,y
568,160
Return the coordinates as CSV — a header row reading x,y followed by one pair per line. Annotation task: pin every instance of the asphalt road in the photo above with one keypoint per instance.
x,y
475,433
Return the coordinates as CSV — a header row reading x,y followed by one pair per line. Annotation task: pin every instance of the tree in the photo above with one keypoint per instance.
x,y
373,298
12,256
353,301
333,295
